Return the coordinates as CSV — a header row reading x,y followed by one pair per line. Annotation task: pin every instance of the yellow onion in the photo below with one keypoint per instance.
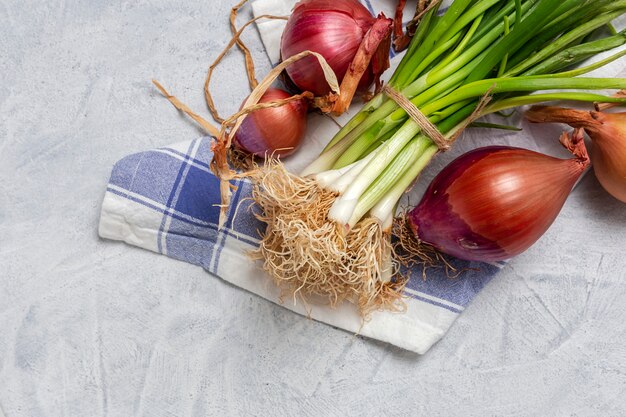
x,y
274,131
493,203
608,135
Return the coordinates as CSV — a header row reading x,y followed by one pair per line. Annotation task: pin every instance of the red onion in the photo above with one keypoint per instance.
x,y
335,29
608,134
493,203
275,131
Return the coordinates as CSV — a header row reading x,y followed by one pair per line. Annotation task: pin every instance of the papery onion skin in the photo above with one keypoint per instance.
x,y
275,131
608,154
493,203
334,29
608,135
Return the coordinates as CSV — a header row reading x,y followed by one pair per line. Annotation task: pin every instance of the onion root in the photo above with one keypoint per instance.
x,y
308,256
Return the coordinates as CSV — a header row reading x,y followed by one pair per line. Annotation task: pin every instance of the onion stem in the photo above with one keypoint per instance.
x,y
388,202
563,41
383,156
439,32
513,102
384,194
578,53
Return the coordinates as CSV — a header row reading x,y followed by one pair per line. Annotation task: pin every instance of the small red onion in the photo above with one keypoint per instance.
x,y
334,29
608,135
493,203
275,131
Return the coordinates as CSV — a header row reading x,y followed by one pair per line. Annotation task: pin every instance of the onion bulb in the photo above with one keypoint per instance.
x,y
274,131
334,29
493,203
608,135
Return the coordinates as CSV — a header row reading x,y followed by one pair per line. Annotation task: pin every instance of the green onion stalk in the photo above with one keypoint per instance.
x,y
515,52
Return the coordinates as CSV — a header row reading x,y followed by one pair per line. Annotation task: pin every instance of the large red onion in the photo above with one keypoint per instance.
x,y
493,203
608,134
275,131
334,29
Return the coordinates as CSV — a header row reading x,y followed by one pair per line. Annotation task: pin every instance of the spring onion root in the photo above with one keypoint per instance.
x,y
310,257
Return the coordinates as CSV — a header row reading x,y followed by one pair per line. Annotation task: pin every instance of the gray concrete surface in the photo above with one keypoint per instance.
x,y
96,328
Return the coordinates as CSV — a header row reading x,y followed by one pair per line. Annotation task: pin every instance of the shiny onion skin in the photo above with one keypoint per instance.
x,y
333,28
275,131
493,203
608,154
608,135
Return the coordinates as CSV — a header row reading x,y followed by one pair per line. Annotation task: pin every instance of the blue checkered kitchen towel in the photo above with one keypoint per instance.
x,y
165,200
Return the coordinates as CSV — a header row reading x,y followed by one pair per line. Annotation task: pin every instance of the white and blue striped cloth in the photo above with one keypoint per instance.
x,y
165,200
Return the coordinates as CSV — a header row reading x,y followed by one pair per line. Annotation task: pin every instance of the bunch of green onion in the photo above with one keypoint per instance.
x,y
509,50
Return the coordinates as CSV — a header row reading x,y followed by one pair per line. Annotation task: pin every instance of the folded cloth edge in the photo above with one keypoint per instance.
x,y
126,217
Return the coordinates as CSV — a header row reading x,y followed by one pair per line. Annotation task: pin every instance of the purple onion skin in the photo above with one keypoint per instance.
x,y
332,28
493,203
276,131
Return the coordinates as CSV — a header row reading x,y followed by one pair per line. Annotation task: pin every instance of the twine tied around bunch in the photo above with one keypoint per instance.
x,y
442,141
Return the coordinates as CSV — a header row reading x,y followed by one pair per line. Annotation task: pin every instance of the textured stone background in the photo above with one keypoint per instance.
x,y
96,328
